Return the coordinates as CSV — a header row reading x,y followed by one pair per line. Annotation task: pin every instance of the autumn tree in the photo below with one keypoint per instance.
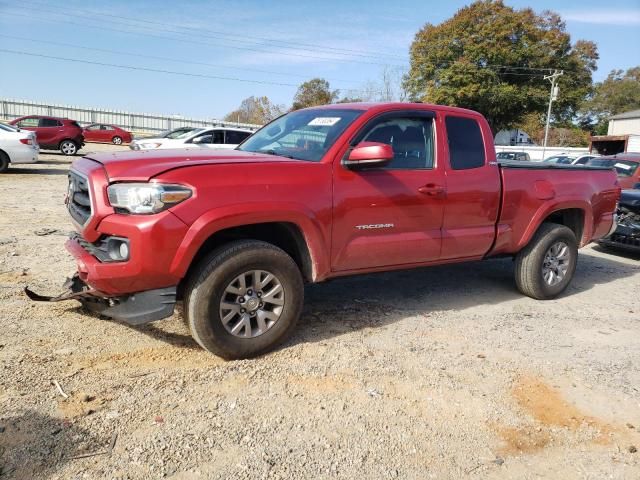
x,y
492,58
314,92
257,110
618,93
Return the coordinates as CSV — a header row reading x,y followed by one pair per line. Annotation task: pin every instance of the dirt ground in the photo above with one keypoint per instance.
x,y
439,373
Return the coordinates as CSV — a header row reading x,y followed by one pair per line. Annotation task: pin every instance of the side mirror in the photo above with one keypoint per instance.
x,y
369,154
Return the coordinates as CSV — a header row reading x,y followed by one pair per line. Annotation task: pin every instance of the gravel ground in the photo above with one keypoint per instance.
x,y
441,373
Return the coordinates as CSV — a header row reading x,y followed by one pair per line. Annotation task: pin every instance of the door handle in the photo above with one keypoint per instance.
x,y
432,190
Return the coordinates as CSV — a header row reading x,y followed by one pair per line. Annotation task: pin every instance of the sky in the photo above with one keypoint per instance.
x,y
200,58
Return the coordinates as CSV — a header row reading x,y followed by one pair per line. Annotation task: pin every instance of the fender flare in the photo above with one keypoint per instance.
x,y
552,206
243,214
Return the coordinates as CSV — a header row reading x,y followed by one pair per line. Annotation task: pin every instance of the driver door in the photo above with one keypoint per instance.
x,y
390,215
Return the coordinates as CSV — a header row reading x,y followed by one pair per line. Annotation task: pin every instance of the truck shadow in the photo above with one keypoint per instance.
x,y
33,445
618,252
370,301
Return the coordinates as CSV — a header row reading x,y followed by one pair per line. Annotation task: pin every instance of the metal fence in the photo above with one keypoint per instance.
x,y
135,122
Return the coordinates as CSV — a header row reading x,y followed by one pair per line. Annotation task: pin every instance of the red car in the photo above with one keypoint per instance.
x,y
627,166
53,133
101,132
317,194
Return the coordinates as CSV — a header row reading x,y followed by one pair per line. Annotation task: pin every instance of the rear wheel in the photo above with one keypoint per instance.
x,y
68,147
117,140
545,267
244,299
4,162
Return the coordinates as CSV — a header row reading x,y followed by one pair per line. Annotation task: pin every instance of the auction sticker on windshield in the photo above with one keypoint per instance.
x,y
617,165
324,121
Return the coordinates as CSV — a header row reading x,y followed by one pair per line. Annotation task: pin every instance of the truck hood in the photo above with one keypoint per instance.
x,y
146,164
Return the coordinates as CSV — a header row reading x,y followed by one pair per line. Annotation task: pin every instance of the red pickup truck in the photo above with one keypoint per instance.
x,y
317,194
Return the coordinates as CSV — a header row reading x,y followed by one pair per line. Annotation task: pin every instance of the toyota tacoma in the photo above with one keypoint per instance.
x,y
317,194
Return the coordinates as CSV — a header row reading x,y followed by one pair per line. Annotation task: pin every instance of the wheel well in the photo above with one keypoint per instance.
x,y
284,235
5,155
572,218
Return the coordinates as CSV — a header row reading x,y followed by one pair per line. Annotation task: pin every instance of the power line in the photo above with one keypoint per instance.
x,y
188,40
145,69
295,44
154,57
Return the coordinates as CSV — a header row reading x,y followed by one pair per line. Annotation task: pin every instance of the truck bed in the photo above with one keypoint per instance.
x,y
545,166
532,191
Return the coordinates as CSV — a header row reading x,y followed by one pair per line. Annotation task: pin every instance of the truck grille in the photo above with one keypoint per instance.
x,y
78,198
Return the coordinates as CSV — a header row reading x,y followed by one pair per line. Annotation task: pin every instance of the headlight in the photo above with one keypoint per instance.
x,y
145,198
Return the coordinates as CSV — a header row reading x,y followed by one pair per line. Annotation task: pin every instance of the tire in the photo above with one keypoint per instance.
x,y
117,140
68,147
4,162
539,265
215,284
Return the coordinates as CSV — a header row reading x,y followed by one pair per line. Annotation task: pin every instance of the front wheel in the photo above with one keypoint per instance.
x,y
545,267
117,140
68,147
244,299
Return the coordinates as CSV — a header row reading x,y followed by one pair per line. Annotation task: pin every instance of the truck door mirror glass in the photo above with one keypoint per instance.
x,y
369,154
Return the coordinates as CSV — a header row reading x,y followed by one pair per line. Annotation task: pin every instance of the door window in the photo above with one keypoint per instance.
x,y
28,122
410,138
466,148
218,136
235,138
93,127
49,122
203,139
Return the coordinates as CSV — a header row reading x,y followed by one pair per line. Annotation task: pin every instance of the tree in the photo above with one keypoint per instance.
x,y
314,92
257,110
561,136
492,58
618,93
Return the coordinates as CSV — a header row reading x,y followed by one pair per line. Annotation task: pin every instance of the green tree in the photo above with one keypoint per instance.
x,y
257,110
618,93
314,92
492,58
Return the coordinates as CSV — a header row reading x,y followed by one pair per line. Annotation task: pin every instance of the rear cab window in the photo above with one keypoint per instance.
x,y
466,145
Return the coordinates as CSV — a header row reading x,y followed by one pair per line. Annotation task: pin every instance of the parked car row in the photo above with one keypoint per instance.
x,y
67,136
218,138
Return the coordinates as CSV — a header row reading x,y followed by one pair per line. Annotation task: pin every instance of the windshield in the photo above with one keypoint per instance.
x,y
506,156
624,168
303,135
180,132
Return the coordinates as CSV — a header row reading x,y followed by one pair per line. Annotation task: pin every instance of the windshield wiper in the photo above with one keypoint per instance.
x,y
273,152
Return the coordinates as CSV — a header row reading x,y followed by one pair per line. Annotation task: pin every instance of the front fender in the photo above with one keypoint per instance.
x,y
316,235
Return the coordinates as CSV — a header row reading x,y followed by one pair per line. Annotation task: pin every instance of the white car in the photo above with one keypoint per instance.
x,y
213,137
565,159
17,146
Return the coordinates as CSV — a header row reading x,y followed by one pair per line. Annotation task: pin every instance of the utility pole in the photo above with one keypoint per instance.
x,y
553,95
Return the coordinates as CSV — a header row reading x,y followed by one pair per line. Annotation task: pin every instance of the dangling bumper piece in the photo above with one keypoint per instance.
x,y
134,309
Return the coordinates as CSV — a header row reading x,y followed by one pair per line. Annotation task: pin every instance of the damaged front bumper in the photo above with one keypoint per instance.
x,y
134,309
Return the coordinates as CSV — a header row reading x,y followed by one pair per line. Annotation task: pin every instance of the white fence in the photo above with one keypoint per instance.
x,y
535,152
135,122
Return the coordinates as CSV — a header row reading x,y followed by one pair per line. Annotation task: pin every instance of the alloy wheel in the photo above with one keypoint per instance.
x,y
252,303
